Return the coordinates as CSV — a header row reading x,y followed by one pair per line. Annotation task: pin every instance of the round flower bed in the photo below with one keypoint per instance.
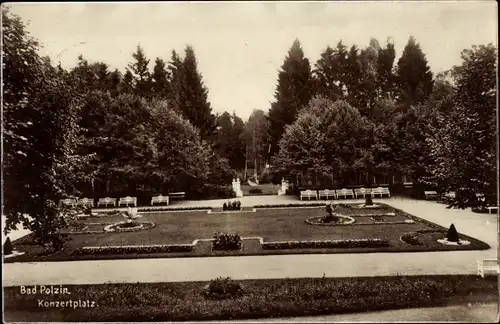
x,y
320,220
129,226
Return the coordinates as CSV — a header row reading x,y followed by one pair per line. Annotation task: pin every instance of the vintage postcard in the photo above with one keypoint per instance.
x,y
250,161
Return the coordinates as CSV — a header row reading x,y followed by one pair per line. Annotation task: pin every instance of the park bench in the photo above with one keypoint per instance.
x,y
159,200
177,195
345,193
492,208
327,193
430,194
309,194
106,201
381,191
487,266
68,202
408,185
362,192
127,201
85,202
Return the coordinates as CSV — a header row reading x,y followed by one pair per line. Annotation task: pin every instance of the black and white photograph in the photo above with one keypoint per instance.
x,y
250,161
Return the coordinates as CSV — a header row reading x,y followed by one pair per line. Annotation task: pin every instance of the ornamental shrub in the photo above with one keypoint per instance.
x,y
452,234
223,288
7,247
226,242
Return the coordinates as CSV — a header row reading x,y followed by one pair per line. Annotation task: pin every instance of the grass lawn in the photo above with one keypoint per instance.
x,y
261,299
271,224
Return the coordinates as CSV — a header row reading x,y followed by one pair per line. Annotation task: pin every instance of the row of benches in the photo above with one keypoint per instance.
x,y
123,201
344,193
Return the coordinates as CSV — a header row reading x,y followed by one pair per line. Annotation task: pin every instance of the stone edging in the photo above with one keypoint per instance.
x,y
231,211
350,221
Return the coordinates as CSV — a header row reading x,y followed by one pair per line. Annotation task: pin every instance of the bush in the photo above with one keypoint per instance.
x,y
7,247
339,244
255,191
452,234
139,249
223,288
226,242
232,205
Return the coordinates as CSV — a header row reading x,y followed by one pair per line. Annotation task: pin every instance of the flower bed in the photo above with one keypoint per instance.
x,y
319,220
125,227
226,242
131,249
331,244
412,237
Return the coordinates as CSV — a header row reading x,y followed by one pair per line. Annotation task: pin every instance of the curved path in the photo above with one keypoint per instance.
x,y
481,226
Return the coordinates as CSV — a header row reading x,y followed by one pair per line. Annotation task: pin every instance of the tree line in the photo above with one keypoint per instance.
x,y
358,110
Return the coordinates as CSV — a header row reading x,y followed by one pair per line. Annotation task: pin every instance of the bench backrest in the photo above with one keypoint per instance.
x,y
490,263
329,191
68,201
128,198
430,192
107,199
160,198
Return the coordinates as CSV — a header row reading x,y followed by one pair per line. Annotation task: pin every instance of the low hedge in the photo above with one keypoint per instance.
x,y
138,249
183,301
150,209
339,244
291,205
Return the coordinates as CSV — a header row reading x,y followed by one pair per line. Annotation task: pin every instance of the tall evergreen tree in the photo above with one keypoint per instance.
x,y
140,72
159,79
175,80
127,83
293,91
193,96
354,77
114,80
331,73
414,77
385,74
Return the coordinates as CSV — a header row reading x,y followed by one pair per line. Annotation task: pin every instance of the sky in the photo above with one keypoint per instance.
x,y
240,46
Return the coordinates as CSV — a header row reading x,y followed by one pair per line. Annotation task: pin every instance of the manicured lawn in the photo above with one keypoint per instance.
x,y
271,224
261,299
